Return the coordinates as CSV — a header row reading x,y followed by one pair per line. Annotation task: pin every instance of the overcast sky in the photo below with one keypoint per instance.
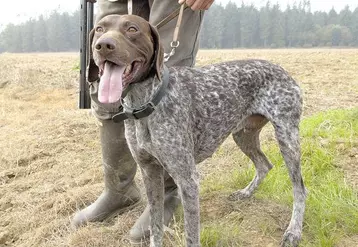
x,y
16,11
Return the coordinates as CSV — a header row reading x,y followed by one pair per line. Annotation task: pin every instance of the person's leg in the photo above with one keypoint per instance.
x,y
120,192
188,35
184,56
120,7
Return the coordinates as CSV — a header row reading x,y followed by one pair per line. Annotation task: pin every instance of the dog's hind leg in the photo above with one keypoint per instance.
x,y
248,141
287,134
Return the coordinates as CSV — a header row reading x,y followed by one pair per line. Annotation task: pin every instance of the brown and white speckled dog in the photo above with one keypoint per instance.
x,y
201,108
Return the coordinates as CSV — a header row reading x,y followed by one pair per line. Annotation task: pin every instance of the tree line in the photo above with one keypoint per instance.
x,y
230,26
270,27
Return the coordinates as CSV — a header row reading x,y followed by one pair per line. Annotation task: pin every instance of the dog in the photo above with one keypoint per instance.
x,y
197,110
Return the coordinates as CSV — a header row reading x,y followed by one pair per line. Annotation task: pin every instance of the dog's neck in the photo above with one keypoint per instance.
x,y
142,92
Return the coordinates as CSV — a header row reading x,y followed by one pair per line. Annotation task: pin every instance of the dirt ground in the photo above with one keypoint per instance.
x,y
50,154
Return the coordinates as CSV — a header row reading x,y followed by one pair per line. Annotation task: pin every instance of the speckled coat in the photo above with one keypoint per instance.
x,y
202,107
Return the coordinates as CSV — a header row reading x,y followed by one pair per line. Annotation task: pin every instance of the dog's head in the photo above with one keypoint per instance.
x,y
124,49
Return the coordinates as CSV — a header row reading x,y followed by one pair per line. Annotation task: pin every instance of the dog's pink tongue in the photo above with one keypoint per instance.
x,y
110,85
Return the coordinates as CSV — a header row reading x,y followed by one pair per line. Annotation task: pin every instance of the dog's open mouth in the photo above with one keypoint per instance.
x,y
115,77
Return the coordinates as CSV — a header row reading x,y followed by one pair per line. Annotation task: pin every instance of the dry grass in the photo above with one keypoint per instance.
x,y
50,155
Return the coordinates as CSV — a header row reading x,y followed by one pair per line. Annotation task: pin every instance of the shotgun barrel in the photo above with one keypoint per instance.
x,y
86,21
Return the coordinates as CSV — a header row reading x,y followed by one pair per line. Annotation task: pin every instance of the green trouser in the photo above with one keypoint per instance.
x,y
155,11
119,166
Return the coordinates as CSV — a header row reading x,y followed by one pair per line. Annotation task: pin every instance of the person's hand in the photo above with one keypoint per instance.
x,y
197,4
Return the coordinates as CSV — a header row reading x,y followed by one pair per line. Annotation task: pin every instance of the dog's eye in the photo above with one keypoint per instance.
x,y
99,29
132,30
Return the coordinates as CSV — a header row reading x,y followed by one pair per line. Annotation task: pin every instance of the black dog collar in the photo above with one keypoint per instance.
x,y
146,109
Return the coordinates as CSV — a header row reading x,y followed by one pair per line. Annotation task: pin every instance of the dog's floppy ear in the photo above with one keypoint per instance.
x,y
158,52
92,68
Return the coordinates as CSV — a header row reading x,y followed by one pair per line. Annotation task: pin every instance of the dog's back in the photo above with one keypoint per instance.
x,y
219,98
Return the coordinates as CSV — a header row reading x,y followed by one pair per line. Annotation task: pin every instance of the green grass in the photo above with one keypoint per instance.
x,y
332,205
213,235
76,67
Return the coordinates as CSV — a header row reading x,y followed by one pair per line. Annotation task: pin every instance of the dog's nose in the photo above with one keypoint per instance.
x,y
105,45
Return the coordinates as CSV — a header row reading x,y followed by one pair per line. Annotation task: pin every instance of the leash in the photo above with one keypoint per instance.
x,y
178,12
171,16
175,43
146,109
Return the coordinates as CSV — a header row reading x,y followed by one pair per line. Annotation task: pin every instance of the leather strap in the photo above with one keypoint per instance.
x,y
172,15
177,27
146,109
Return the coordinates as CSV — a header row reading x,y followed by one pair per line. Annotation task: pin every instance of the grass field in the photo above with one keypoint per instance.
x,y
50,162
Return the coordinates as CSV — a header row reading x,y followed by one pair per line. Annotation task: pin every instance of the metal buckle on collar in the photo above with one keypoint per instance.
x,y
129,113
145,111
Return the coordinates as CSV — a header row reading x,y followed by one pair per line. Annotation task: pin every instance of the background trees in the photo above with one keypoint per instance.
x,y
230,26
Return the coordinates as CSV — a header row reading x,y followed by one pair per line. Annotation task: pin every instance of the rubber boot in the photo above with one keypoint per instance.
x,y
140,233
120,192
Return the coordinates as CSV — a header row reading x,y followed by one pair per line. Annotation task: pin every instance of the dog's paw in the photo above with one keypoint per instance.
x,y
290,239
239,195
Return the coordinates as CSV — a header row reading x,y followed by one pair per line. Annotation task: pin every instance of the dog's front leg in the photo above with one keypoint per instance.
x,y
153,177
189,192
183,170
